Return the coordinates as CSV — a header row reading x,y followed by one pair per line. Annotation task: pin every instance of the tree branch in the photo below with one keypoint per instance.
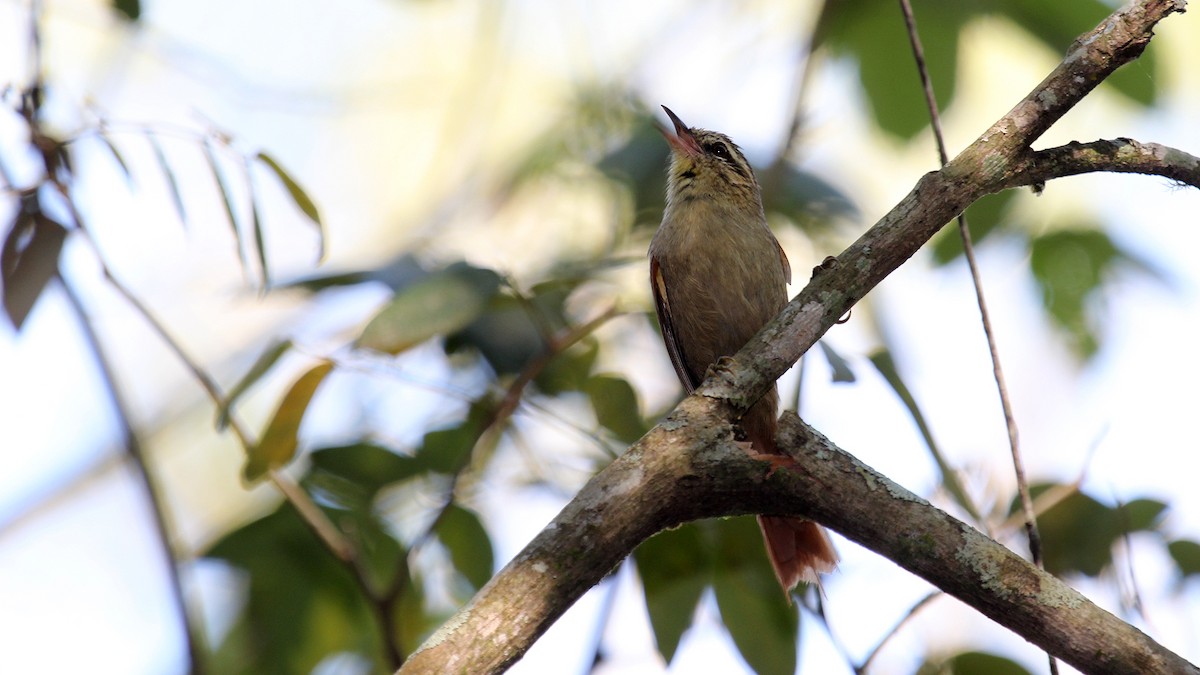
x,y
686,468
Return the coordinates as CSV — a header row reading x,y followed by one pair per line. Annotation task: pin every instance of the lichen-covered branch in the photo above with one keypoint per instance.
x,y
1122,155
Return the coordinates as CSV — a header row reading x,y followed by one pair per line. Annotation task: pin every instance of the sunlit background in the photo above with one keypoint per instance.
x,y
403,120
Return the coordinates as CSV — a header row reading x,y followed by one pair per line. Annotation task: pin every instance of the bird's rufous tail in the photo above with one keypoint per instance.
x,y
800,550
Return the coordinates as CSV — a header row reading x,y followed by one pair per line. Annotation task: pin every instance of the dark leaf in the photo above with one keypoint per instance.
x,y
841,369
395,274
227,200
675,568
116,155
299,196
873,33
1077,533
1070,266
882,360
1186,555
753,608
29,259
805,198
470,548
983,217
616,406
367,465
980,663
265,360
504,334
278,443
260,246
569,370
448,450
640,164
1140,514
130,9
441,303
302,604
169,174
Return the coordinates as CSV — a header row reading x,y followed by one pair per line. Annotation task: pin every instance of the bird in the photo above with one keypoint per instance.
x,y
718,275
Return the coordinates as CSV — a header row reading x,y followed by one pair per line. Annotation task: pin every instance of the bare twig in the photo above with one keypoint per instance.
x,y
912,611
137,459
1010,420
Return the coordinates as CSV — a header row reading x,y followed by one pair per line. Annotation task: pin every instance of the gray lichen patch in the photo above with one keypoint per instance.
x,y
987,562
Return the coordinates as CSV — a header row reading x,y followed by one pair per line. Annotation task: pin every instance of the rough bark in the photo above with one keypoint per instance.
x,y
686,468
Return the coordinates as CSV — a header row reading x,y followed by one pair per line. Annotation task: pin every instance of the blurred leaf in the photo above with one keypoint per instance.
x,y
569,370
1186,555
130,9
980,663
983,217
803,197
1070,266
367,465
441,303
116,155
301,604
1077,533
841,369
753,608
504,334
873,33
616,406
641,165
675,568
413,620
260,245
299,196
169,174
29,258
883,362
448,450
278,443
227,200
395,274
1140,514
265,360
470,548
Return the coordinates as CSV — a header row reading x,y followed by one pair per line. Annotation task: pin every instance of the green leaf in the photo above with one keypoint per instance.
x,y
754,609
640,165
1077,533
368,465
260,246
448,450
873,33
1070,266
441,303
1140,514
1186,555
569,370
227,200
29,259
616,406
263,364
278,443
883,362
804,197
504,334
169,174
983,217
980,663
841,368
299,196
470,548
130,9
675,568
302,604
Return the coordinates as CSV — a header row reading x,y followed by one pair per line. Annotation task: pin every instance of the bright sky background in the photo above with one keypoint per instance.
x,y
381,108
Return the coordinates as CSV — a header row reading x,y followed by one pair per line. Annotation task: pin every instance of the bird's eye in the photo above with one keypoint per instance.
x,y
718,149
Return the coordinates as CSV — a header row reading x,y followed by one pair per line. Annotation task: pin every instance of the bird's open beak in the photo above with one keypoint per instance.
x,y
682,140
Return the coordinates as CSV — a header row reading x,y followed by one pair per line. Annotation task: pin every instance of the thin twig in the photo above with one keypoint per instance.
x,y
1035,543
912,611
137,458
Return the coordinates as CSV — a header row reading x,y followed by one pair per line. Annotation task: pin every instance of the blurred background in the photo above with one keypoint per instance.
x,y
403,242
